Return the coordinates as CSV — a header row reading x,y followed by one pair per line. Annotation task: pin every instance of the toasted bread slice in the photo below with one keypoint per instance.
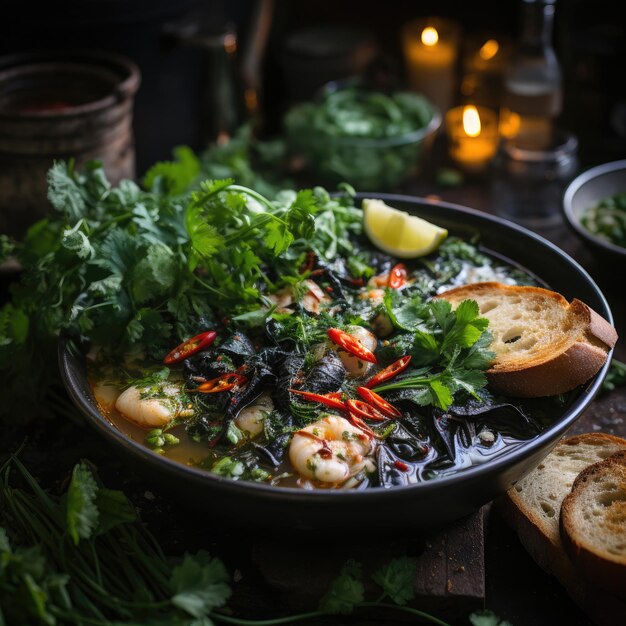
x,y
593,523
543,344
533,506
532,509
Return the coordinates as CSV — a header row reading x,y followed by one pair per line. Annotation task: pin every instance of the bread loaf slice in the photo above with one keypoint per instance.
x,y
532,509
544,345
593,524
533,506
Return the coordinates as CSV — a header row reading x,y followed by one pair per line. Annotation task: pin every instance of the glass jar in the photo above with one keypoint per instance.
x,y
528,183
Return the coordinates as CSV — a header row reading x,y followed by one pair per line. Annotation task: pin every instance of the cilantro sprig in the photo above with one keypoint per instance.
x,y
449,347
137,269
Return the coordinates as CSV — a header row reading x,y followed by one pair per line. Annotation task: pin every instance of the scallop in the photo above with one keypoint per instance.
x,y
152,411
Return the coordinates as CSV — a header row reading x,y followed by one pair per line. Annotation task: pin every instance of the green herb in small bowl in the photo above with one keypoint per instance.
x,y
607,219
594,205
370,139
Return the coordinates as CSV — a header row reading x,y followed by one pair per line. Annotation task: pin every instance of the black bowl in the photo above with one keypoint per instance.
x,y
420,506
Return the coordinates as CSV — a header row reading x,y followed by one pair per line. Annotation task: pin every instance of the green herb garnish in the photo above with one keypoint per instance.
x,y
607,219
451,346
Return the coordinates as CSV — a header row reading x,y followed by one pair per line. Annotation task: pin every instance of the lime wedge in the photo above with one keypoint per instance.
x,y
398,233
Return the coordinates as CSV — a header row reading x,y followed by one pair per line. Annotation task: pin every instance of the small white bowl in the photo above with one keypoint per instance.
x,y
585,191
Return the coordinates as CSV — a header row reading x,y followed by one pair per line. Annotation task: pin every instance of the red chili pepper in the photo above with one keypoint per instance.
x,y
225,382
380,403
362,426
332,400
389,372
189,347
351,344
401,465
362,409
397,276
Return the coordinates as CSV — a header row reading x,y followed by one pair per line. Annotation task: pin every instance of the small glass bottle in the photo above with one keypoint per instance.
x,y
532,96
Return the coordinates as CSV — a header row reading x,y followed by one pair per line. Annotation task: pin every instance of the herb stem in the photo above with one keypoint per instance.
x,y
253,194
406,609
113,220
209,287
407,383
238,621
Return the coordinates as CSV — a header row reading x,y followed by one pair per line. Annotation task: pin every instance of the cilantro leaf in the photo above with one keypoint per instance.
x,y
81,510
345,592
200,584
174,177
64,193
14,325
408,315
205,238
277,237
464,326
155,274
118,252
75,240
487,618
453,345
5,546
6,247
114,508
479,357
397,580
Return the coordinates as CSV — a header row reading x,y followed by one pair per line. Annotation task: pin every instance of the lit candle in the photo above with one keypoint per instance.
x,y
430,50
472,135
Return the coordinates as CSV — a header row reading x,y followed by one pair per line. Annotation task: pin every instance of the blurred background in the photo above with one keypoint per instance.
x,y
207,66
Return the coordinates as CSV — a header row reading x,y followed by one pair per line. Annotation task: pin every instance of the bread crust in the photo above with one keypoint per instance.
x,y
604,568
597,326
570,361
560,374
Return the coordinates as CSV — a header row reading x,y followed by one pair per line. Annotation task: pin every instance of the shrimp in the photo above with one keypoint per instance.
x,y
150,409
381,324
250,419
355,367
331,450
313,300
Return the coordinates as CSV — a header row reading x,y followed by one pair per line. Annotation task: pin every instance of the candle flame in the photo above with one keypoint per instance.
x,y
471,121
430,36
489,49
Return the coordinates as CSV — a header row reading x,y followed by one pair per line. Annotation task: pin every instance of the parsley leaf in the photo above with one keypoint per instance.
x,y
81,510
114,508
397,580
200,584
155,274
487,618
451,345
346,591
64,193
174,177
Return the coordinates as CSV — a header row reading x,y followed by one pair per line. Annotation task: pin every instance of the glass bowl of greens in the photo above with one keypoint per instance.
x,y
594,204
370,139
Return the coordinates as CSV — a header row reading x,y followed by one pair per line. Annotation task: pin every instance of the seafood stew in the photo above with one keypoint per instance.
x,y
347,375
